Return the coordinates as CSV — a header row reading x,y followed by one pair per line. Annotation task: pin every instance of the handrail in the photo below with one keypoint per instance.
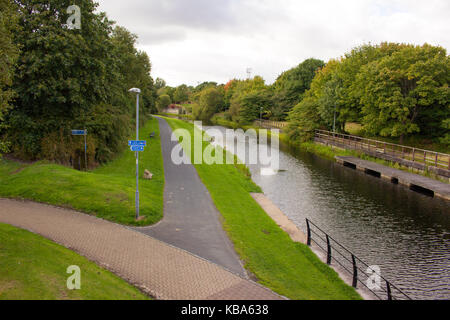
x,y
272,123
357,271
426,157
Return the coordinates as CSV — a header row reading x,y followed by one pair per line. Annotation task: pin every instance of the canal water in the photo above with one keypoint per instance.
x,y
405,233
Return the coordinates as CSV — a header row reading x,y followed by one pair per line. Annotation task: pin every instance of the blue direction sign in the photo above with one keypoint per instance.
x,y
137,148
137,143
78,132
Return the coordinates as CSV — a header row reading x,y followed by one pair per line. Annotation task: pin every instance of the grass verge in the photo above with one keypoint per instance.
x,y
107,192
34,268
290,269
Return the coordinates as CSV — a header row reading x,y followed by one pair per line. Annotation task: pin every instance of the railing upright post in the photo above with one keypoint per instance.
x,y
436,162
355,272
328,250
308,227
414,155
388,289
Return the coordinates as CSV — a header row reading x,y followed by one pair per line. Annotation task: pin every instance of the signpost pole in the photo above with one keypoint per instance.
x,y
85,149
137,157
137,91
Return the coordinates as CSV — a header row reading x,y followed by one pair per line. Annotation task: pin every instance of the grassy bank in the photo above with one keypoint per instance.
x,y
289,268
107,192
34,268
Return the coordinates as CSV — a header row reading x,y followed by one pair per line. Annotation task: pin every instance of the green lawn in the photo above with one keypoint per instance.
x,y
34,268
289,268
107,192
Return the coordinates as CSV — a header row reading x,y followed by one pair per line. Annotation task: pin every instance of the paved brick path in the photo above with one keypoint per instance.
x,y
191,221
163,271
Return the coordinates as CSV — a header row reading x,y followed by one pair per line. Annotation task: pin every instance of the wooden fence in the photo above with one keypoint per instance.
x,y
271,124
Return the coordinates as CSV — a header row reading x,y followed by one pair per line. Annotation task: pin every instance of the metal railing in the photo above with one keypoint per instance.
x,y
426,158
271,124
352,264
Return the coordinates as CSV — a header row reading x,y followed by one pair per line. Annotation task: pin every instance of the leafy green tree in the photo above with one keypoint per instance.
x,y
204,85
351,91
328,91
8,57
241,90
163,102
181,94
254,104
210,102
291,85
159,83
304,119
168,91
74,78
401,88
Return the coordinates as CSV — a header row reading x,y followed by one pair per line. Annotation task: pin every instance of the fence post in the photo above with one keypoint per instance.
x,y
355,272
436,162
328,250
414,155
388,289
308,242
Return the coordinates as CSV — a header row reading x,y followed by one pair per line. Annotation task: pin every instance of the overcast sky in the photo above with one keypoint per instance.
x,y
191,41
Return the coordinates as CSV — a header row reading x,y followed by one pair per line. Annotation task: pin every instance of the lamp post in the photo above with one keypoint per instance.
x,y
137,91
334,120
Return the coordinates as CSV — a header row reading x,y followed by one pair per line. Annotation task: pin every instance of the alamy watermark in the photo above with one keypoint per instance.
x,y
74,20
374,278
249,147
74,281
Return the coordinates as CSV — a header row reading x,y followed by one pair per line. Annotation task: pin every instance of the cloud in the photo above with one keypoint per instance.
x,y
192,41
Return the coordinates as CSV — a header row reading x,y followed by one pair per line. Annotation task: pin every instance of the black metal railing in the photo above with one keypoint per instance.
x,y
352,264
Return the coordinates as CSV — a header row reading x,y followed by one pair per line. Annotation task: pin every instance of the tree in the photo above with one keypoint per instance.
x,y
405,87
253,103
291,85
241,88
204,85
163,102
159,83
74,79
210,102
328,89
304,119
8,57
181,94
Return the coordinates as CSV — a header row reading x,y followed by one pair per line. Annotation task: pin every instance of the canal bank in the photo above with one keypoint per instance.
x,y
414,182
406,234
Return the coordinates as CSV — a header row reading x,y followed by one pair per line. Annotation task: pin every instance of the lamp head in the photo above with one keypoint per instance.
x,y
135,90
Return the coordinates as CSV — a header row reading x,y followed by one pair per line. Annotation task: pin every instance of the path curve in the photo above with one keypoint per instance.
x,y
161,270
191,220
